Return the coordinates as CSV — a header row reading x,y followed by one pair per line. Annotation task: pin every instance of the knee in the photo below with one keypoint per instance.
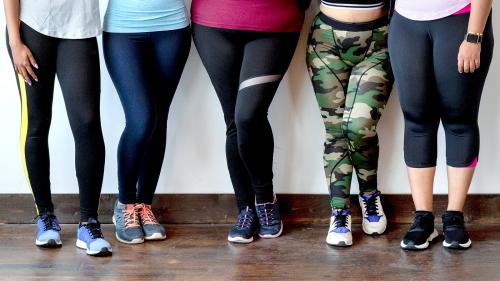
x,y
359,133
38,127
141,129
248,120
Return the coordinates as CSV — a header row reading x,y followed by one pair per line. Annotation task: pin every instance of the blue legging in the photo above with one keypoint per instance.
x,y
145,69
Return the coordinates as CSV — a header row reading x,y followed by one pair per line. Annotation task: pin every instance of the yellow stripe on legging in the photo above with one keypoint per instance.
x,y
24,131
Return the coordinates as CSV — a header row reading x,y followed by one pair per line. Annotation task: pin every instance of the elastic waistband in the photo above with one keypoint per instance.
x,y
363,26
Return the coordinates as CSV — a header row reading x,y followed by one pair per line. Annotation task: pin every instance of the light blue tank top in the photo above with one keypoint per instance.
x,y
138,16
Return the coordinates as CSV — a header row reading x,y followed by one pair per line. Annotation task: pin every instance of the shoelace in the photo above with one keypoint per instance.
x,y
94,230
50,222
131,217
371,205
244,221
267,216
417,222
340,219
147,215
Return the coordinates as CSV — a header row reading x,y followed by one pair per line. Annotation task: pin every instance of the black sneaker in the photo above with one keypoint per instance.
x,y
455,235
421,232
244,228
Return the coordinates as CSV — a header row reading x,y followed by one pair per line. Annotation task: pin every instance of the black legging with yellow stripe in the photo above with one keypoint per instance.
x,y
76,64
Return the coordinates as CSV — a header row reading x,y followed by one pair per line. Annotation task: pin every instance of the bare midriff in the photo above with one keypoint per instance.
x,y
353,15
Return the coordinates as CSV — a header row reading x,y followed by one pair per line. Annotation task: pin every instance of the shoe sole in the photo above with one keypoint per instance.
x,y
240,240
49,244
269,236
103,252
134,241
339,244
374,233
457,246
155,237
413,247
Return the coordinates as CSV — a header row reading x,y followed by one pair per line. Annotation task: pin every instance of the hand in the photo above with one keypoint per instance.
x,y
23,62
469,57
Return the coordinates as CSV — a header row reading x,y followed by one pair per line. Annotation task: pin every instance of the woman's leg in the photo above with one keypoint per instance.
x,y
128,59
78,72
265,61
411,52
330,77
460,96
36,113
410,48
369,88
170,53
221,52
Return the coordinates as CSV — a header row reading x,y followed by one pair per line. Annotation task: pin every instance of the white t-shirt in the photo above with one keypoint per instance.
x,y
66,19
424,10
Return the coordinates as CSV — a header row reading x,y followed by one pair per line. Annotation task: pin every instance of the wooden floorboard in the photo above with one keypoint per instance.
x,y
201,252
221,208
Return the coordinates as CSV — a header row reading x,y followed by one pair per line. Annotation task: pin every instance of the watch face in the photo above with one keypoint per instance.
x,y
473,38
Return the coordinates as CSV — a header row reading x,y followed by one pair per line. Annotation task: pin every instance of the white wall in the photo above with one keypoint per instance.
x,y
195,160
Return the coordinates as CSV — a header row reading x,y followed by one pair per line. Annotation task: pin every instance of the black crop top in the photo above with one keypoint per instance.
x,y
355,4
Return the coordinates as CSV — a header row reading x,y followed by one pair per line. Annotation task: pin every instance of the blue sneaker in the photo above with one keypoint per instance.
x,y
374,219
244,228
339,233
47,235
127,222
89,237
270,222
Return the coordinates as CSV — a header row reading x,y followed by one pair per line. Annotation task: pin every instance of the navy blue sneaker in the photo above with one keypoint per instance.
x,y
47,235
90,238
244,228
270,222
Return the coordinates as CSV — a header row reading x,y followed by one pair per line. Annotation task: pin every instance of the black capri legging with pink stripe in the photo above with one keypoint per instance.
x,y
431,90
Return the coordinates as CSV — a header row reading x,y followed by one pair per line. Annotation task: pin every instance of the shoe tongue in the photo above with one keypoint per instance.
x,y
367,197
344,212
91,220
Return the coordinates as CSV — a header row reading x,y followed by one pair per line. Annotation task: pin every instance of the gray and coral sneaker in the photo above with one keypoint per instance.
x,y
269,217
127,223
153,230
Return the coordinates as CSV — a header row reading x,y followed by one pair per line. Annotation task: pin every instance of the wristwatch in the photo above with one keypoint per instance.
x,y
475,38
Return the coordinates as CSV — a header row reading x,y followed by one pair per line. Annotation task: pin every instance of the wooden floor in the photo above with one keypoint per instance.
x,y
201,252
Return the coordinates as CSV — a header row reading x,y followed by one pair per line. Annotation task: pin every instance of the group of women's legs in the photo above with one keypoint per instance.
x,y
351,74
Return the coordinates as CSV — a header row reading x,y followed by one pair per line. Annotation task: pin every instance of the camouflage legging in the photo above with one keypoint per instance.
x,y
352,78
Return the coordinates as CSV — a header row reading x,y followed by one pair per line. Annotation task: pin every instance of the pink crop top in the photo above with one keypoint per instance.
x,y
256,15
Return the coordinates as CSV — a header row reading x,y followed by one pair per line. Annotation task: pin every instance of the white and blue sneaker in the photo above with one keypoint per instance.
x,y
47,235
90,238
340,234
374,219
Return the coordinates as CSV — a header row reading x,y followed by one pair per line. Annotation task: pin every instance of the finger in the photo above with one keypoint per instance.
x,y
478,63
466,64
25,75
32,60
472,66
460,65
31,72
